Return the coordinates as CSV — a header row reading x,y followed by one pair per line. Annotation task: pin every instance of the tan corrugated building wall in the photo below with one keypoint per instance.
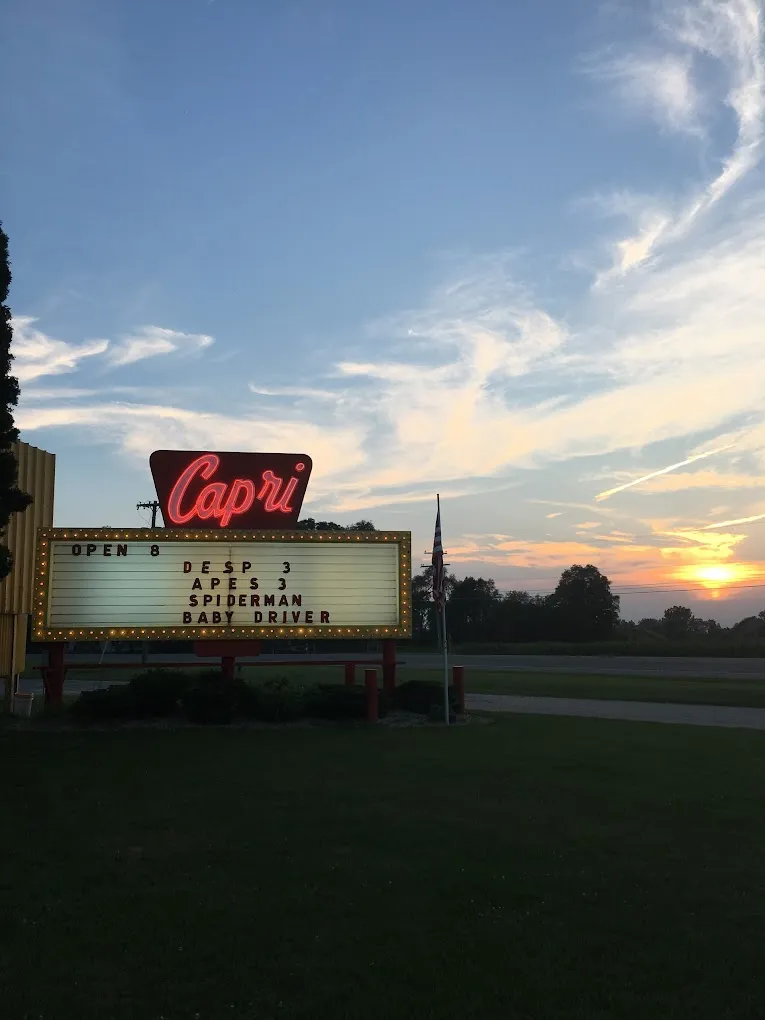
x,y
37,470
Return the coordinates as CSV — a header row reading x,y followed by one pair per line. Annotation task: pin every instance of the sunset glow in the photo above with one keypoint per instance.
x,y
717,576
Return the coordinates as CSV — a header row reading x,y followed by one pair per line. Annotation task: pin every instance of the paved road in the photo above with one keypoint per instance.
x,y
602,665
637,711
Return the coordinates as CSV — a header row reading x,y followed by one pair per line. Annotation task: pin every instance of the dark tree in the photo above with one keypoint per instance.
x,y
523,617
650,626
710,628
425,625
12,500
472,610
583,606
679,622
309,524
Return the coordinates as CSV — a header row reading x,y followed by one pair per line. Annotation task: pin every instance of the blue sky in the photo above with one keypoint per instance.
x,y
513,253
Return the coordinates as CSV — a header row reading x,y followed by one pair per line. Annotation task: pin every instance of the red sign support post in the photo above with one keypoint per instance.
x,y
389,665
458,680
53,675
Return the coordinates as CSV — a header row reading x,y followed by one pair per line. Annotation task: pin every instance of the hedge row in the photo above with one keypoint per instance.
x,y
203,698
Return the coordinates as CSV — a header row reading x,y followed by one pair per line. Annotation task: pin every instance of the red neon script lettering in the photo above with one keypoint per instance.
x,y
270,491
243,488
216,500
205,466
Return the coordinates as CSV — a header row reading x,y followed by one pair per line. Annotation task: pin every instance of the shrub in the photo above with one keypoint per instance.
x,y
108,704
274,701
341,701
421,695
157,691
208,676
208,703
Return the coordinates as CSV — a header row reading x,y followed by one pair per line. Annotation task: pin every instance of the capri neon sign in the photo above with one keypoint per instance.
x,y
230,490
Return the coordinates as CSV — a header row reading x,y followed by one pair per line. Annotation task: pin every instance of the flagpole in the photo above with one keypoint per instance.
x,y
446,663
444,639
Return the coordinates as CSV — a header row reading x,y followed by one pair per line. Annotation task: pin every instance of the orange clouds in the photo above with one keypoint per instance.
x,y
702,560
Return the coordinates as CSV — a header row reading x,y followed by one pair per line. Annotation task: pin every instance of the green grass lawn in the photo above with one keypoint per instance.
x,y
527,868
625,688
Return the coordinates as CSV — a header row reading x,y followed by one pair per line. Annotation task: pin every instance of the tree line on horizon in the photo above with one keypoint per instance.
x,y
582,608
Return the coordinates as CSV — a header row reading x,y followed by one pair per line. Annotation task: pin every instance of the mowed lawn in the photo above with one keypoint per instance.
x,y
682,690
524,868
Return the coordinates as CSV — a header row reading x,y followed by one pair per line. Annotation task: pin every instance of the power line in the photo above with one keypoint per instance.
x,y
699,588
637,591
658,589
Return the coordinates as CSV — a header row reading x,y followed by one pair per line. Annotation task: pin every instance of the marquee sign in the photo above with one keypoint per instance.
x,y
240,490
100,584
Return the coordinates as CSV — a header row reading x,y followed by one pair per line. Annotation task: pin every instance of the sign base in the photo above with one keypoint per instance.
x,y
226,649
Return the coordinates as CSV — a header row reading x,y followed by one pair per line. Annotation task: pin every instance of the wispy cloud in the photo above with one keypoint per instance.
x,y
36,354
296,392
152,341
569,506
35,394
141,428
729,32
701,544
57,393
660,84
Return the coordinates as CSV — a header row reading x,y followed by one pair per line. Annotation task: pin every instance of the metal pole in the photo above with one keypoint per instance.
x,y
446,659
14,674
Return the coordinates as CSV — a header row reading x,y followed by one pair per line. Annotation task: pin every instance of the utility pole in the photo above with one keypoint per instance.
x,y
153,506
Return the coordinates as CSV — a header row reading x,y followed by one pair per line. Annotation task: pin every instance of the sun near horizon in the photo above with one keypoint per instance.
x,y
720,578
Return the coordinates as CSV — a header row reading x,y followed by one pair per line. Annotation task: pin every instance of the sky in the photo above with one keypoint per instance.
x,y
512,253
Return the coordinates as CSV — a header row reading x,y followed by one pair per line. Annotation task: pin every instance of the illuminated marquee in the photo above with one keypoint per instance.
x,y
95,585
243,490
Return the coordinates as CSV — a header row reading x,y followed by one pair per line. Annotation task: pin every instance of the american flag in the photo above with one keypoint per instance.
x,y
438,563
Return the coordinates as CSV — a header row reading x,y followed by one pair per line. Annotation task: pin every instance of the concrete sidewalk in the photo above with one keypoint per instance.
x,y
637,711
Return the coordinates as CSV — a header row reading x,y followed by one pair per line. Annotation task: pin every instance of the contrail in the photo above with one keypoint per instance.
x,y
739,520
663,471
